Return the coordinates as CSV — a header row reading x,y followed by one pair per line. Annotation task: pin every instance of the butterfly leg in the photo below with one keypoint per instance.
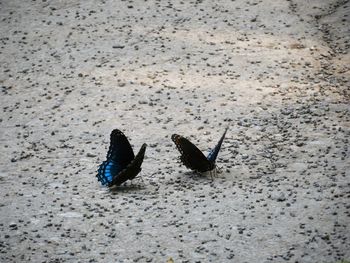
x,y
212,175
219,169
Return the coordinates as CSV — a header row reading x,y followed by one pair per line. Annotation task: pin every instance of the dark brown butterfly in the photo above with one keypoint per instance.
x,y
121,164
193,158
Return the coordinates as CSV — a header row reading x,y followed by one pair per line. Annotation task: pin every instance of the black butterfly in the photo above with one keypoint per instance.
x,y
121,164
193,158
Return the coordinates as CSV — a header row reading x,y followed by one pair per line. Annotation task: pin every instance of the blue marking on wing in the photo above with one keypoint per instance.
x,y
107,171
213,154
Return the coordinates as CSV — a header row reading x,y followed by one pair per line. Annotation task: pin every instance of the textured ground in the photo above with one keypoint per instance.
x,y
276,72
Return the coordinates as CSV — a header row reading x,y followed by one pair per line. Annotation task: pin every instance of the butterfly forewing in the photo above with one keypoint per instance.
x,y
120,150
191,156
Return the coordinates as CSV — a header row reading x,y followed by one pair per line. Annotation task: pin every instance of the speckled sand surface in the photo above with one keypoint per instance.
x,y
276,72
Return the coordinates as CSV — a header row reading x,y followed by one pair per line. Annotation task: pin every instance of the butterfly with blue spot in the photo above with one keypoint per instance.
x,y
121,164
193,158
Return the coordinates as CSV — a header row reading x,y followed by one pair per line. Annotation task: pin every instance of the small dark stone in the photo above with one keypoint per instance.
x,y
118,46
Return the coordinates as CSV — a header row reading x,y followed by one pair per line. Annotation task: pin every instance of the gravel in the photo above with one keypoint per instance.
x,y
275,72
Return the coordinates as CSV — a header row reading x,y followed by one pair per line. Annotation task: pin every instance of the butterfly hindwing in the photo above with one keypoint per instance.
x,y
106,171
132,169
121,163
191,156
213,154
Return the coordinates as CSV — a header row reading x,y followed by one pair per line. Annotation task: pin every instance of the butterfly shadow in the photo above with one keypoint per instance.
x,y
126,187
193,177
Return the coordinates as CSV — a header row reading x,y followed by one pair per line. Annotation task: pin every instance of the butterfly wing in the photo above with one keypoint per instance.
x,y
120,150
106,171
119,156
213,154
191,156
132,169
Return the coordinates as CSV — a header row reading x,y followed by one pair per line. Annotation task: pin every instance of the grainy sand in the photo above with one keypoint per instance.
x,y
276,72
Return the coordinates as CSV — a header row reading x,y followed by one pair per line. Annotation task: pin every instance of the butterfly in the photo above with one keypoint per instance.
x,y
121,164
193,158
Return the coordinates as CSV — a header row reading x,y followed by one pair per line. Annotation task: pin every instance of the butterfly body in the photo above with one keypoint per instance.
x,y
121,164
193,158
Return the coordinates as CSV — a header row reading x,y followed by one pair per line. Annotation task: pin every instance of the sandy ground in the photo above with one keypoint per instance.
x,y
276,72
